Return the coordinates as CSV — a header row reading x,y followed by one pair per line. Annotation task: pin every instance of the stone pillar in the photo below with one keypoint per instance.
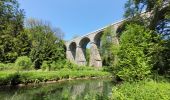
x,y
95,58
80,57
70,56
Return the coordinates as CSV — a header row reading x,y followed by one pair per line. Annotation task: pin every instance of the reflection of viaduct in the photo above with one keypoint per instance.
x,y
76,47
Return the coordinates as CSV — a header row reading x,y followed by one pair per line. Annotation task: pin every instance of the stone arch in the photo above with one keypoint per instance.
x,y
97,38
82,49
83,43
95,58
72,48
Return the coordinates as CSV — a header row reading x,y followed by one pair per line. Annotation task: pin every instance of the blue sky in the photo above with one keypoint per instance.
x,y
75,17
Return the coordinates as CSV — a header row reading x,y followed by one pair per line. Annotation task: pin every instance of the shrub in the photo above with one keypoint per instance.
x,y
45,65
23,63
2,66
58,65
137,45
8,66
53,66
143,90
62,64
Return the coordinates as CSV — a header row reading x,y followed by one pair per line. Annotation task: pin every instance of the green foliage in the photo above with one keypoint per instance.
x,y
45,65
24,45
23,63
57,65
12,77
137,48
2,66
87,56
11,19
63,64
38,40
143,90
9,78
162,59
45,45
109,46
8,66
157,20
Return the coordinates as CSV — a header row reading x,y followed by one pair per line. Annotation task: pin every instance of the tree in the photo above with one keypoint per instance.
x,y
158,11
158,21
45,46
138,47
11,25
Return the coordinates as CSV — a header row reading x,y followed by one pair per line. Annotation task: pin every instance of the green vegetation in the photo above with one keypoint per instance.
x,y
25,77
138,47
11,28
107,45
23,63
142,90
138,50
143,48
34,52
143,52
38,40
45,45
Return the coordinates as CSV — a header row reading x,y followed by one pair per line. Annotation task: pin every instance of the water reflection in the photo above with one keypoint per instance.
x,y
70,90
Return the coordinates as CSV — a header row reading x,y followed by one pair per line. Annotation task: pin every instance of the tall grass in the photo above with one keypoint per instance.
x,y
143,90
25,77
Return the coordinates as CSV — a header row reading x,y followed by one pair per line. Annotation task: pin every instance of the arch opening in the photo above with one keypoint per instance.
x,y
97,39
72,48
85,44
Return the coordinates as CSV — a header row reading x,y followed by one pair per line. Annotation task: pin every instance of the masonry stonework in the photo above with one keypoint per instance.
x,y
76,48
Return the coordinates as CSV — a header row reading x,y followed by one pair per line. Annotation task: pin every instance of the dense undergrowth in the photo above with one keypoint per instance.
x,y
142,90
25,77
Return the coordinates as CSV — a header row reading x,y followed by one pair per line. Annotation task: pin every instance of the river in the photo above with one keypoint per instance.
x,y
98,89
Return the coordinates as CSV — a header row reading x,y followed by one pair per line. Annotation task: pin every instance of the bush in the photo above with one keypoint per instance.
x,y
57,65
137,47
2,66
63,64
23,63
143,90
8,66
53,66
45,66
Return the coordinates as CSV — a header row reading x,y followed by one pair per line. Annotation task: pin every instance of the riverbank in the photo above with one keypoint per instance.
x,y
142,90
26,77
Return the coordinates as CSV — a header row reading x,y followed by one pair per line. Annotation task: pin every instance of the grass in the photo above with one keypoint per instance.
x,y
143,90
25,77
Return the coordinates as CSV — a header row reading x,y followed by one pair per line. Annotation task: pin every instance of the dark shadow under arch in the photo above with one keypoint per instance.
x,y
72,48
97,38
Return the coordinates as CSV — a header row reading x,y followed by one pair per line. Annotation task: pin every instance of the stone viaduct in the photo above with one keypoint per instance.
x,y
76,48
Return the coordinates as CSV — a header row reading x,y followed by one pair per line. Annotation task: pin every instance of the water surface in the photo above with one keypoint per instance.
x,y
98,89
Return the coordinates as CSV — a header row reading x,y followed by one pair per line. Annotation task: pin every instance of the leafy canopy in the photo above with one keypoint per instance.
x,y
137,47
